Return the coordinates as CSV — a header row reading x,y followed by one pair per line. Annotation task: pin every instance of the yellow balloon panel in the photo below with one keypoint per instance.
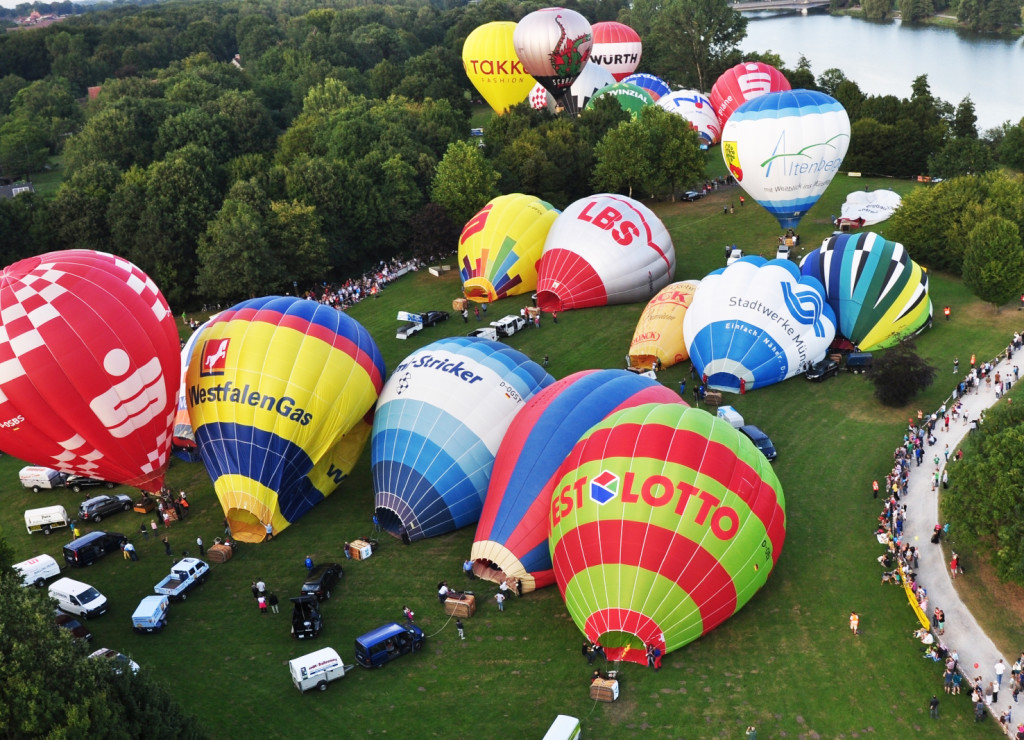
x,y
658,338
493,66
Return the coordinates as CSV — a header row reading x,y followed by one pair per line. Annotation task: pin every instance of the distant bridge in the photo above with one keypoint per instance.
x,y
758,5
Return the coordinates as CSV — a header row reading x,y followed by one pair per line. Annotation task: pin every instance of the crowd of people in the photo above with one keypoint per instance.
x,y
900,561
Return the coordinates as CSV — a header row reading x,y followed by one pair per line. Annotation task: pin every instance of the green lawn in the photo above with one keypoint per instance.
x,y
786,662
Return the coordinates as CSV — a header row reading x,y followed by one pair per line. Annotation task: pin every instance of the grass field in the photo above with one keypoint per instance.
x,y
786,663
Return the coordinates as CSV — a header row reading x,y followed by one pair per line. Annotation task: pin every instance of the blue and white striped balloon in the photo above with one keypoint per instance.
x,y
784,148
439,422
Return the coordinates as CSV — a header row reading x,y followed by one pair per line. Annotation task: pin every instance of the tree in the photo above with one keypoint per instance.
x,y
830,79
464,182
622,162
674,152
915,11
965,121
1011,149
234,254
994,260
900,373
961,157
877,10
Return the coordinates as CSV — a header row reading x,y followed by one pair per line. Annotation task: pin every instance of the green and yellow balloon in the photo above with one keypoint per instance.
x,y
664,521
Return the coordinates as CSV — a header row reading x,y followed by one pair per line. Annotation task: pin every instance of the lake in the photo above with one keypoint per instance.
x,y
884,58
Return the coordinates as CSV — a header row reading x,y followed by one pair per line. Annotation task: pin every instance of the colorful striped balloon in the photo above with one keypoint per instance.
x,y
512,536
439,422
665,521
278,391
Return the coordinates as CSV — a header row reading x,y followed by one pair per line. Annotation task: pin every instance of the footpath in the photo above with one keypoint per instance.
x,y
977,654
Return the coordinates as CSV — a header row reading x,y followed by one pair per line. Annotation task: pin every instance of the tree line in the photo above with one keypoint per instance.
x,y
339,136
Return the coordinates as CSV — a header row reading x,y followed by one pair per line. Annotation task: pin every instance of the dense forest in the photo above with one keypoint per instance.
x,y
229,148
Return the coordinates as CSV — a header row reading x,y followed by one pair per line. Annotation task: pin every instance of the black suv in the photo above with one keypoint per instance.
x,y
97,507
321,580
306,618
77,482
822,369
430,318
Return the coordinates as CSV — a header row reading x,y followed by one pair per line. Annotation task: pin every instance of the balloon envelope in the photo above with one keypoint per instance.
x,y
744,82
658,338
540,99
784,149
274,387
554,45
493,66
630,98
602,250
654,85
664,522
438,425
91,364
593,78
500,247
184,435
879,295
697,109
617,48
513,530
758,322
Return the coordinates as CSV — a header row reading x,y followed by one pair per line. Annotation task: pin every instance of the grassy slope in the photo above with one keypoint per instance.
x,y
786,662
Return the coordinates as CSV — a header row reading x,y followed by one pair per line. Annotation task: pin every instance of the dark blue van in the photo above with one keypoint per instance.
x,y
89,548
386,643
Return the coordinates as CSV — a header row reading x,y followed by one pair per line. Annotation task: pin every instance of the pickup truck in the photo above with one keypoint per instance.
x,y
150,615
407,330
185,575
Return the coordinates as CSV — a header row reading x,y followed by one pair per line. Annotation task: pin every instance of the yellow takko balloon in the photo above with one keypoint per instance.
x,y
281,394
493,67
501,245
658,339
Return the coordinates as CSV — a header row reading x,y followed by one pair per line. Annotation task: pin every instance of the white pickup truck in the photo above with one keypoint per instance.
x,y
185,575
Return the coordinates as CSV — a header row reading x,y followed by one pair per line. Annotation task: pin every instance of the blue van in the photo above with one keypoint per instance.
x,y
386,643
89,548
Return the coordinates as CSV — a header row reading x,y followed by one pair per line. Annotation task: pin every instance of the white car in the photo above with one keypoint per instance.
x,y
509,325
782,253
117,660
734,254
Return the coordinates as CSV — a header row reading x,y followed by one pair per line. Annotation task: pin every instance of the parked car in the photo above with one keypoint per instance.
x,y
78,598
734,254
150,615
185,575
782,252
97,507
117,661
306,618
321,580
761,441
72,625
859,362
90,547
386,643
822,369
430,318
487,332
691,195
506,326
77,482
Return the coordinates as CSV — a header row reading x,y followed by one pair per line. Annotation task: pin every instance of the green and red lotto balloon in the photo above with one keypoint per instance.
x,y
665,521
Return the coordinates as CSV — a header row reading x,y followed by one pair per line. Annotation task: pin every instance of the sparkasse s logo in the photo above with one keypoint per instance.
x,y
604,487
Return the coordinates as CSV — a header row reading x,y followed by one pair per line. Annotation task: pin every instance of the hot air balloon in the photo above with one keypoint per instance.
x,y
879,295
540,99
512,536
755,323
630,98
617,48
184,439
602,250
594,77
554,45
440,419
697,109
278,389
91,364
664,521
658,338
493,67
744,82
501,245
784,149
654,85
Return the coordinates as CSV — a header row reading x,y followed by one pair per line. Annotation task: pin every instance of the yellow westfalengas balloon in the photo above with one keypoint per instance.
x,y
493,66
281,394
500,247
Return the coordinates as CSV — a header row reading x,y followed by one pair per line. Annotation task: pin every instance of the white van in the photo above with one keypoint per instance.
x,y
38,478
38,570
46,519
730,415
316,669
563,728
75,597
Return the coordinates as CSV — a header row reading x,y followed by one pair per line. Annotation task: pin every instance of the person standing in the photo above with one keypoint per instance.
x,y
500,598
269,529
348,552
273,601
467,568
202,548
854,623
408,614
933,707
461,629
167,547
956,365
152,526
261,588
143,531
129,549
255,590
261,602
309,564
1000,669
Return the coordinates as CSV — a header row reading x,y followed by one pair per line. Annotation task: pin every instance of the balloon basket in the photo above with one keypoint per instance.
x,y
219,553
604,689
464,607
